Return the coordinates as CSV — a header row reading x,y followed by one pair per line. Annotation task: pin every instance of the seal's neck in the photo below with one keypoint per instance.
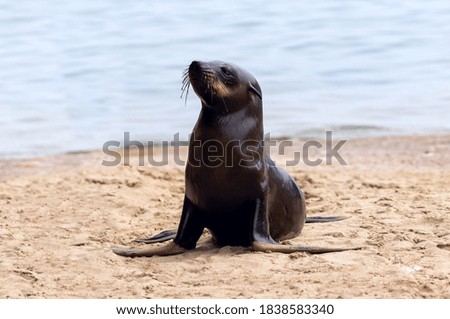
x,y
243,124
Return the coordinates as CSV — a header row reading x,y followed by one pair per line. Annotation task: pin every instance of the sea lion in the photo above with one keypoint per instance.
x,y
232,187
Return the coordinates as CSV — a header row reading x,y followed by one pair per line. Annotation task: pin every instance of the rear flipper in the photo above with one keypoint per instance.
x,y
288,249
319,219
159,238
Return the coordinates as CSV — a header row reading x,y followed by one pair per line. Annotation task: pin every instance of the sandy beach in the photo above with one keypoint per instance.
x,y
61,214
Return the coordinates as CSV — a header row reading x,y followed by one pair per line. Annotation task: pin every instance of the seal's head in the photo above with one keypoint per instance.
x,y
222,86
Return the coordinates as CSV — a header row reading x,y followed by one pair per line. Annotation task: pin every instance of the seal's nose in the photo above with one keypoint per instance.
x,y
195,67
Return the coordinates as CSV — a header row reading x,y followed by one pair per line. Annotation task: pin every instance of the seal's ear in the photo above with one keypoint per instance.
x,y
256,91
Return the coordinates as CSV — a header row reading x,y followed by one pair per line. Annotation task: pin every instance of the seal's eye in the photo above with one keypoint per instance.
x,y
225,71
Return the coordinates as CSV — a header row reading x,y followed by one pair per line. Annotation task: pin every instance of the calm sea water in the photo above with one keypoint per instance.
x,y
75,74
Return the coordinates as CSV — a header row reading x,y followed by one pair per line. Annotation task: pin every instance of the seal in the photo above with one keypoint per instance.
x,y
232,187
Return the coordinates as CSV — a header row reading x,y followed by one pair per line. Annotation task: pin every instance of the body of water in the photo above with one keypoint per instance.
x,y
76,74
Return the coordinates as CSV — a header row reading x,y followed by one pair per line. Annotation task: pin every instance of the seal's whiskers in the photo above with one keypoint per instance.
x,y
186,83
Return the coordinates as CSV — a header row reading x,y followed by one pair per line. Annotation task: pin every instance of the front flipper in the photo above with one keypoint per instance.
x,y
159,238
287,249
166,250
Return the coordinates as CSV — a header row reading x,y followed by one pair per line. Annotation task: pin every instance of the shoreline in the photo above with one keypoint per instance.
x,y
79,159
61,214
158,143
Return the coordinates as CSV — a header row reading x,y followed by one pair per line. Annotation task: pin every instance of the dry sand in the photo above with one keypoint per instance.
x,y
60,215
